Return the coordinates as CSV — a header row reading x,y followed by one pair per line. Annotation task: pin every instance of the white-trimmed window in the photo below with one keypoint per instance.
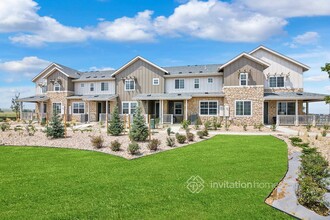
x,y
243,108
196,83
78,108
129,107
91,87
44,89
243,79
57,86
178,108
208,107
57,108
276,81
209,80
104,86
82,85
286,108
155,81
179,84
129,85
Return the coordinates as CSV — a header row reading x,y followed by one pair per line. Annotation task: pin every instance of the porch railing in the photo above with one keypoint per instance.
x,y
167,118
28,116
315,120
103,117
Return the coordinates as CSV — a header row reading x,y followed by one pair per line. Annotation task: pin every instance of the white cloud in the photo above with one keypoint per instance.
x,y
288,8
25,68
327,88
316,78
7,93
94,68
307,38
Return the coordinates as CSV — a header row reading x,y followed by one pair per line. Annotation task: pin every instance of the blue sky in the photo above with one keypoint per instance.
x,y
101,34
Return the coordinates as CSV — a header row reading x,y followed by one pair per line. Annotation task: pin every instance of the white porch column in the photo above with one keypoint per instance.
x,y
161,111
21,111
41,112
106,111
186,109
297,120
307,108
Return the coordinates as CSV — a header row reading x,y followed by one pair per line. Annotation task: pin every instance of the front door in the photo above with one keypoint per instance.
x,y
99,111
157,109
266,113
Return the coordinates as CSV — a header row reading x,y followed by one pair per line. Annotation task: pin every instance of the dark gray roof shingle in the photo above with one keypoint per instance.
x,y
293,96
193,69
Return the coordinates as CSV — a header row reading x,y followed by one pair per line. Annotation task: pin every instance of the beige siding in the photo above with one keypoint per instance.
x,y
254,70
144,73
66,83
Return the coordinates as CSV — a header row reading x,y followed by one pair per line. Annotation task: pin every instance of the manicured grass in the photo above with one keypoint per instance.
x,y
72,184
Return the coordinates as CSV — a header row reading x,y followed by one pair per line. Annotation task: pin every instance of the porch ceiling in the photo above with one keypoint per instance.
x,y
102,97
305,96
34,99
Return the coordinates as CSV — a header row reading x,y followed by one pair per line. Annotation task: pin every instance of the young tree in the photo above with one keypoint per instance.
x,y
139,130
16,106
55,129
326,68
116,126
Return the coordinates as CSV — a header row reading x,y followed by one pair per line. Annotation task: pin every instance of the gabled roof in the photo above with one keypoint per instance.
x,y
305,67
308,96
67,71
250,57
133,61
95,76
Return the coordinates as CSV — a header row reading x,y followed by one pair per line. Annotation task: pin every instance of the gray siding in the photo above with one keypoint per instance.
x,y
254,70
144,73
66,85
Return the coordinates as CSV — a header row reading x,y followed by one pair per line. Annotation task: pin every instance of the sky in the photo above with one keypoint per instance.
x,y
105,34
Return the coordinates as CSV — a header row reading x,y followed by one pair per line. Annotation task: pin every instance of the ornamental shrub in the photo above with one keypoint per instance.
x,y
133,148
55,129
97,141
139,130
115,126
180,138
154,144
115,145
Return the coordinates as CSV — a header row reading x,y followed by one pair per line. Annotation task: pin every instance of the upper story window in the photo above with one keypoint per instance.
x,y
44,89
155,81
276,81
243,108
196,83
91,87
210,80
104,86
57,86
129,107
243,79
82,85
179,84
129,85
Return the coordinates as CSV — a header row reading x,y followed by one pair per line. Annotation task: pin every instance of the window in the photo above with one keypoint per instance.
x,y
129,107
91,87
104,86
243,79
210,80
82,85
286,108
178,106
129,85
196,83
57,86
57,107
155,81
78,108
276,81
243,108
44,89
208,108
179,84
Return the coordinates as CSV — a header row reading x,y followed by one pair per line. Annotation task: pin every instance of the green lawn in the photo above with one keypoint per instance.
x,y
72,184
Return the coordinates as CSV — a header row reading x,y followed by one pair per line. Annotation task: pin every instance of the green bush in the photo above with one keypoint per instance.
x,y
198,123
133,148
115,145
43,122
5,126
273,127
245,127
31,129
185,124
190,136
215,123
154,144
205,132
55,129
302,145
326,127
309,150
295,140
97,141
180,138
169,131
207,125
115,126
308,127
200,134
170,141
18,128
324,133
139,130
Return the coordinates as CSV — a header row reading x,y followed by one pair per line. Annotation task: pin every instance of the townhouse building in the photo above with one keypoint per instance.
x,y
262,86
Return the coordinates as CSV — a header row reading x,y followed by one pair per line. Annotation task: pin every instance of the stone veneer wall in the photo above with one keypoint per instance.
x,y
55,97
255,94
193,106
